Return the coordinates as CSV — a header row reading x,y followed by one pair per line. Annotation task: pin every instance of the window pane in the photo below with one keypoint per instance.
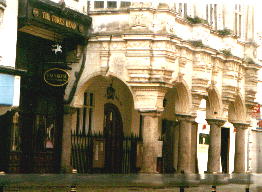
x,y
44,133
111,4
185,10
239,32
99,4
91,99
125,4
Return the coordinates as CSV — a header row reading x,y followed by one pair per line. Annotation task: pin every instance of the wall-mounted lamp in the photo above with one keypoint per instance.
x,y
110,92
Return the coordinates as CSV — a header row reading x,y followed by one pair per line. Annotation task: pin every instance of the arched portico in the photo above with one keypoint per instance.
x,y
103,103
237,116
177,110
84,84
214,104
237,111
213,117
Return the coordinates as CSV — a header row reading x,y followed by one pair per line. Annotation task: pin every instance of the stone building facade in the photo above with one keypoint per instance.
x,y
176,70
164,87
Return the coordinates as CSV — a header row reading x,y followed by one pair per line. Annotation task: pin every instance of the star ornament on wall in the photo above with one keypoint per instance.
x,y
57,48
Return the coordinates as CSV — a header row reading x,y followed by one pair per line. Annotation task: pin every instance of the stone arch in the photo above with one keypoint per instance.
x,y
237,110
214,104
78,97
107,89
182,98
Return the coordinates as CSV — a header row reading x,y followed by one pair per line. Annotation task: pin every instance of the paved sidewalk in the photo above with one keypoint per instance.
x,y
224,188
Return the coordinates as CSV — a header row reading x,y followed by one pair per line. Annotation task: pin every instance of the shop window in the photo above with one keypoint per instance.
x,y
99,4
125,4
111,4
85,114
44,133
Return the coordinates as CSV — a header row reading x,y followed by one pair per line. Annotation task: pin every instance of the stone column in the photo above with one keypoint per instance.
x,y
239,161
150,133
214,150
193,163
66,140
184,150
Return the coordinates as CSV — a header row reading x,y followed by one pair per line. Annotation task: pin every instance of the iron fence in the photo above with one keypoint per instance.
x,y
83,152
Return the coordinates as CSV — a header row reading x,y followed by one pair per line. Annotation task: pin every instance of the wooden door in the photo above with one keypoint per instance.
x,y
113,130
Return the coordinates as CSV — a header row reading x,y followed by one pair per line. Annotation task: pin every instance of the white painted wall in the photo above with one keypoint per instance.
x,y
8,39
8,34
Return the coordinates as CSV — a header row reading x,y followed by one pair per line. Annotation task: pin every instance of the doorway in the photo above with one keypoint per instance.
x,y
113,130
168,129
225,135
41,105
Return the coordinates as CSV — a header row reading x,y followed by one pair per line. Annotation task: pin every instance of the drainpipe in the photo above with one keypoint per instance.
x,y
108,54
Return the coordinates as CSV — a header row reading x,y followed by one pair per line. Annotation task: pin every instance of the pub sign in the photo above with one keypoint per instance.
x,y
56,77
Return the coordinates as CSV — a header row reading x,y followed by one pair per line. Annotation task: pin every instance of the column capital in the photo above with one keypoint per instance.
x,y
151,113
241,125
185,117
218,122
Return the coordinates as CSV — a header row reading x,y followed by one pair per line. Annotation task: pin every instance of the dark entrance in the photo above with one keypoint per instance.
x,y
168,128
225,149
41,109
113,130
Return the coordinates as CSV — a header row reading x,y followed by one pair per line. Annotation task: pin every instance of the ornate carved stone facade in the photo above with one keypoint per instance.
x,y
153,51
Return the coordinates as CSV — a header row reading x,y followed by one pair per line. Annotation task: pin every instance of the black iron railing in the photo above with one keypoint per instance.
x,y
83,153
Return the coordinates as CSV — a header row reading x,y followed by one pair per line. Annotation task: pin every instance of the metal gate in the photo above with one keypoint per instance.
x,y
84,153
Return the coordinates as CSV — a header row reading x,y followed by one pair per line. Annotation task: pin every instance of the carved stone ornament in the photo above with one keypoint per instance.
x,y
182,61
138,19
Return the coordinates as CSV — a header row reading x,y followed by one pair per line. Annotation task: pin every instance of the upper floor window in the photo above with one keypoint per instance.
x,y
211,15
125,4
238,20
181,9
111,4
99,4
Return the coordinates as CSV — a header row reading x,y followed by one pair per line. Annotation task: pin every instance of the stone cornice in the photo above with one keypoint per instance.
x,y
239,125
149,86
178,42
185,117
218,122
154,113
253,66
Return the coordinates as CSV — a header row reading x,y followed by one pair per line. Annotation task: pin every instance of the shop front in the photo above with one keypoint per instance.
x,y
47,34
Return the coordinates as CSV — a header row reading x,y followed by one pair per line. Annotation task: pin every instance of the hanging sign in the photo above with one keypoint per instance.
x,y
57,20
56,77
